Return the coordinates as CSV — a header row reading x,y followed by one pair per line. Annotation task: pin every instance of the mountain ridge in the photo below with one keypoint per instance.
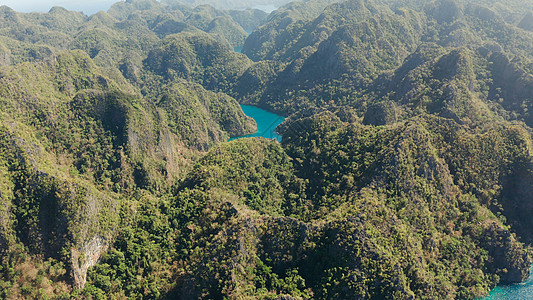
x,y
405,170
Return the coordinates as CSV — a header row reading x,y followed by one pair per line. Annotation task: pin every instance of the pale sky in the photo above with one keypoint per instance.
x,y
89,7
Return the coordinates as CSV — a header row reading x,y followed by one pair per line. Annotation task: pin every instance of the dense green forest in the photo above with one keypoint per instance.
x,y
405,170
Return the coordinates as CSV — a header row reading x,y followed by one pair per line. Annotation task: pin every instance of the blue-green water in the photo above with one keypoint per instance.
x,y
238,49
266,122
523,290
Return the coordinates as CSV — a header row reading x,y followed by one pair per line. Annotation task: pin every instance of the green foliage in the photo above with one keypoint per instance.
x,y
347,54
261,180
198,58
405,170
202,118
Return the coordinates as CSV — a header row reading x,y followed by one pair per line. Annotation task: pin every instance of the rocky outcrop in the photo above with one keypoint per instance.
x,y
84,257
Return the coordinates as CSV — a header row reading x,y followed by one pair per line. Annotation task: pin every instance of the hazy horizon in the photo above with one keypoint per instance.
x,y
88,7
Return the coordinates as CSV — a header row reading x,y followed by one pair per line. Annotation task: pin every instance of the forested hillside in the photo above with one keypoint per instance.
x,y
405,170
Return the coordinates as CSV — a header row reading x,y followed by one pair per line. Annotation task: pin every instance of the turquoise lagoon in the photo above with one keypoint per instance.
x,y
266,122
523,290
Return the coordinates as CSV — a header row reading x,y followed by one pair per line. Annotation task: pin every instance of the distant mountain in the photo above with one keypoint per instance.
x,y
238,4
349,50
87,7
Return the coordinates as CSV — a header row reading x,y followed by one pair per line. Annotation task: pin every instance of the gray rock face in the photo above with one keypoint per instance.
x,y
86,256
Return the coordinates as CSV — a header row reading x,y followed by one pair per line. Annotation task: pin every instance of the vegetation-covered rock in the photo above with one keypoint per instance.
x,y
405,170
198,58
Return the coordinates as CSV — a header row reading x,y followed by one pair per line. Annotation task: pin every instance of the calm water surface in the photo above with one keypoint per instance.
x,y
266,122
522,290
